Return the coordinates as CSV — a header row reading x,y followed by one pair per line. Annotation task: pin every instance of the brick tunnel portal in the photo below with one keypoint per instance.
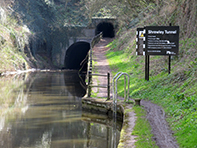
x,y
77,56
107,29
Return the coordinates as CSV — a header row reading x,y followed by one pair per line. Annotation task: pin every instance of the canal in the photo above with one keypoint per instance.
x,y
44,110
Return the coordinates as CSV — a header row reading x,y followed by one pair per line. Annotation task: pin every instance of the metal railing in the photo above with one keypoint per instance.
x,y
114,85
115,91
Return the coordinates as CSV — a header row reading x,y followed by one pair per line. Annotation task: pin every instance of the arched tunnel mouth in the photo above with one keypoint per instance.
x,y
107,29
77,56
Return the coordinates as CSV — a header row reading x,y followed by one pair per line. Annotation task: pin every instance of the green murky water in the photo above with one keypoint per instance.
x,y
44,110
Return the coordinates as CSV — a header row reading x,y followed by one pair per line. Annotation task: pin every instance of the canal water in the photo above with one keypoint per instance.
x,y
44,110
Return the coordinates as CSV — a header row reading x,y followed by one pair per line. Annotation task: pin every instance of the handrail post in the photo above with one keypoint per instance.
x,y
125,95
108,86
89,82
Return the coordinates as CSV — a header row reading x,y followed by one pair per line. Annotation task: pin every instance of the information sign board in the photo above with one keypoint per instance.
x,y
157,40
162,40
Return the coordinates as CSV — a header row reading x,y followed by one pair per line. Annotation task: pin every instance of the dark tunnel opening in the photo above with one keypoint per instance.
x,y
106,28
77,56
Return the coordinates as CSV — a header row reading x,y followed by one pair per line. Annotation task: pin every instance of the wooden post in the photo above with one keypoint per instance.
x,y
169,61
145,67
148,66
169,65
89,83
147,59
108,86
125,93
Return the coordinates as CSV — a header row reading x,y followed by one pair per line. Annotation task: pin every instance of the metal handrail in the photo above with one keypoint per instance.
x,y
115,94
115,80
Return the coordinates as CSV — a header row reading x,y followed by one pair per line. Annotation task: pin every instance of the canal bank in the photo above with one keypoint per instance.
x,y
125,114
98,103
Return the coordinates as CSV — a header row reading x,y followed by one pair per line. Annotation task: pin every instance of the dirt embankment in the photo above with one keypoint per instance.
x,y
155,114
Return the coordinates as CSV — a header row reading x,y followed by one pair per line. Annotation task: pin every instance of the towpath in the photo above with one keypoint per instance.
x,y
155,114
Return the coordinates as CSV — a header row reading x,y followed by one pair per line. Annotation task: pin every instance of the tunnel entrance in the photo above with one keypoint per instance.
x,y
106,28
76,56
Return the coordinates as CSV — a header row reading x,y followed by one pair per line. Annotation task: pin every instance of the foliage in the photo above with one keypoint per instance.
x,y
123,10
13,39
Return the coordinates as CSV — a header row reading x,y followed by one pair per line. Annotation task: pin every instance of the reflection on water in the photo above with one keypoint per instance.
x,y
47,112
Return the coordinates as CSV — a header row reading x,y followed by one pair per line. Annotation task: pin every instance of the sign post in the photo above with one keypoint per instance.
x,y
169,61
147,61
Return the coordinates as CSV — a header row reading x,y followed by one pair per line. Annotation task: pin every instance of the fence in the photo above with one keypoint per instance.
x,y
107,86
94,41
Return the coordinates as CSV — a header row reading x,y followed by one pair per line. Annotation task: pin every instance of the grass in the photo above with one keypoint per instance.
x,y
11,60
142,130
175,92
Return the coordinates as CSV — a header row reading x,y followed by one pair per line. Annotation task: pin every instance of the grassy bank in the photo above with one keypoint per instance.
x,y
13,40
142,130
175,92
